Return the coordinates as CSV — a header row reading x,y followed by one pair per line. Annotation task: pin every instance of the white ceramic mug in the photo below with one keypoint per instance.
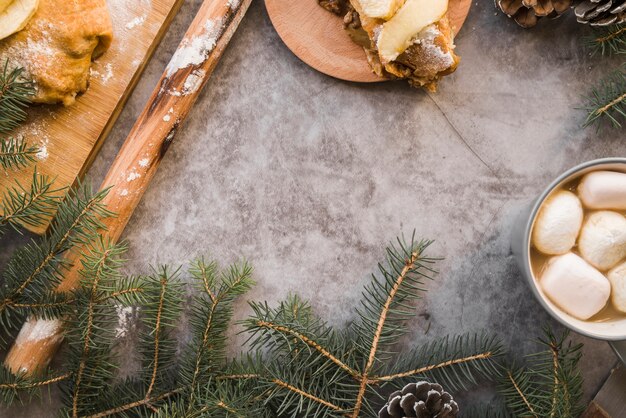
x,y
612,331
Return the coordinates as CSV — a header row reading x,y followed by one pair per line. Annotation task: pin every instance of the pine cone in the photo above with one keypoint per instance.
x,y
527,12
421,400
601,12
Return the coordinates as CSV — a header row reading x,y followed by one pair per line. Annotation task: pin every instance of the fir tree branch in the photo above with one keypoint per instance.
x,y
34,384
406,264
607,41
236,282
608,100
98,268
15,94
33,206
136,404
157,335
551,386
455,362
426,369
12,386
311,343
15,153
36,269
517,387
305,394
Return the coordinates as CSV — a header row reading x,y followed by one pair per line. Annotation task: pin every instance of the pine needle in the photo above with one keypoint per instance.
x,y
607,101
15,153
15,94
607,41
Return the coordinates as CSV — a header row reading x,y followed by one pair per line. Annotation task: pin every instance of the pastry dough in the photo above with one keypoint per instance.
x,y
57,46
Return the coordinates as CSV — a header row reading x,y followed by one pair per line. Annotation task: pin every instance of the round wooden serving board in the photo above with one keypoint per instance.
x,y
317,37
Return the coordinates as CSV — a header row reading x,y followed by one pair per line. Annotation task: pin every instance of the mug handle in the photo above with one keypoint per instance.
x,y
620,349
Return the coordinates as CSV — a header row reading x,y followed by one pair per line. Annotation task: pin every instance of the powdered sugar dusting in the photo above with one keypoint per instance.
x,y
436,55
196,50
144,162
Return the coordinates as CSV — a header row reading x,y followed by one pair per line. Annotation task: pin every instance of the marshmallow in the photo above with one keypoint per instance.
x,y
603,190
558,223
617,277
602,240
575,286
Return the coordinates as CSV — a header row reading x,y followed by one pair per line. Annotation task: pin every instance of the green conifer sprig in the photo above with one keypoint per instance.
x,y
550,385
608,100
14,388
91,364
183,390
318,372
297,365
607,41
15,95
15,153
29,206
36,269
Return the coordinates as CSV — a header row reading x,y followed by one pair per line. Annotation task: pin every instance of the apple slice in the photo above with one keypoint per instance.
x,y
377,9
396,35
16,16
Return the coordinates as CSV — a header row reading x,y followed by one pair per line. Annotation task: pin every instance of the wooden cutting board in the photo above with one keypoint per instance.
x,y
70,137
316,36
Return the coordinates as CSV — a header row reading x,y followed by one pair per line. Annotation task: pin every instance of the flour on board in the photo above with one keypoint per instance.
x,y
138,21
42,154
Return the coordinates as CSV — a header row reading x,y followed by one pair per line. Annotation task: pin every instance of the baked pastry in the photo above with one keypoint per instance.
x,y
405,39
57,45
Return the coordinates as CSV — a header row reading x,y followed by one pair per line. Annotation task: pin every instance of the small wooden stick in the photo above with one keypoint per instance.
x,y
138,159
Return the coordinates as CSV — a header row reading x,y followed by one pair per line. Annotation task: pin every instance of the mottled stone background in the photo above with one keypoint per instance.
x,y
308,177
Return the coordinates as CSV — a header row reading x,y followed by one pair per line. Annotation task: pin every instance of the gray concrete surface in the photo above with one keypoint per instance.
x,y
308,177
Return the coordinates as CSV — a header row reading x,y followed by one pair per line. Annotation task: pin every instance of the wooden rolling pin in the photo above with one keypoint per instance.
x,y
138,159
